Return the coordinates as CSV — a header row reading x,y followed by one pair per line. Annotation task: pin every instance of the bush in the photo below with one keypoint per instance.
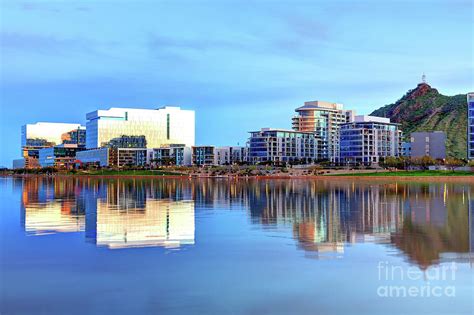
x,y
452,163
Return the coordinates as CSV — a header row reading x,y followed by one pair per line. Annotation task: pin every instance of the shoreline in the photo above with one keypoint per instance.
x,y
437,178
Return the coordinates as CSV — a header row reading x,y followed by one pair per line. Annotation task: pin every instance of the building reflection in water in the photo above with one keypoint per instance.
x,y
49,207
115,214
427,223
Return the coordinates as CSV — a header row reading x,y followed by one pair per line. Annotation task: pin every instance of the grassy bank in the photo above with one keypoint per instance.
x,y
409,173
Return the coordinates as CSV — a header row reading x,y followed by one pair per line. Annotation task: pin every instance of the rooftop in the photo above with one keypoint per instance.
x,y
367,118
320,105
281,130
370,119
120,112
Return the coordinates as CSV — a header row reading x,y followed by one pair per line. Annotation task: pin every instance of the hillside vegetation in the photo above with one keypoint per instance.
x,y
425,109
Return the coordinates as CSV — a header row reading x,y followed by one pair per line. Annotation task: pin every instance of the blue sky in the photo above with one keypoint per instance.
x,y
241,65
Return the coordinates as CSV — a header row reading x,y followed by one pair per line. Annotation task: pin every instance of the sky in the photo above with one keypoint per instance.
x,y
241,65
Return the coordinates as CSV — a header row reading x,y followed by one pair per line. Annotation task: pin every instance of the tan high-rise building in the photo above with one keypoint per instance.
x,y
324,119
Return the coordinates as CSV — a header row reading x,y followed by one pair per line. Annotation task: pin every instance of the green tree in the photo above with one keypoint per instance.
x,y
423,162
452,163
393,162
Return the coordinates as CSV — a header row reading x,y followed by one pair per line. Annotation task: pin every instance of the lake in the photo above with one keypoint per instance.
x,y
220,246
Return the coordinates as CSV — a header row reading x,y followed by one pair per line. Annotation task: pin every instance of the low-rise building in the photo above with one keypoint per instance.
x,y
60,156
239,154
212,155
432,144
231,155
204,155
98,157
121,157
406,149
282,146
113,157
18,163
369,139
174,154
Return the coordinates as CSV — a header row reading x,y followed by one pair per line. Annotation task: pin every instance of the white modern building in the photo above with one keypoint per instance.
x,y
369,139
230,155
160,127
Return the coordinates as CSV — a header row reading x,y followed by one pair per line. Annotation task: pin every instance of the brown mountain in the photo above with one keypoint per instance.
x,y
425,109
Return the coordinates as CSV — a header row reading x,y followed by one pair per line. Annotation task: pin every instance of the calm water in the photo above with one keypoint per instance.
x,y
91,246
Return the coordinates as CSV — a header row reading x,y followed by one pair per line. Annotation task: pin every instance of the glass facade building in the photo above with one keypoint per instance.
x,y
160,127
127,142
113,157
324,120
76,136
60,156
279,145
369,139
42,135
99,157
470,125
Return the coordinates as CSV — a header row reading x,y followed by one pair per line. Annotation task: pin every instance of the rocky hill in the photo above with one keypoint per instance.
x,y
425,109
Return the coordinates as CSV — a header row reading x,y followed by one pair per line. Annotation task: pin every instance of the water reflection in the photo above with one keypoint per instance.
x,y
427,223
50,207
114,214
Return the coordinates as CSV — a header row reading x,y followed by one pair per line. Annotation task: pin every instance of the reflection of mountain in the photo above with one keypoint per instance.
x,y
426,222
434,226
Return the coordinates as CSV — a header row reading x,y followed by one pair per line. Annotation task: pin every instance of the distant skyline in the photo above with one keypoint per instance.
x,y
240,65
